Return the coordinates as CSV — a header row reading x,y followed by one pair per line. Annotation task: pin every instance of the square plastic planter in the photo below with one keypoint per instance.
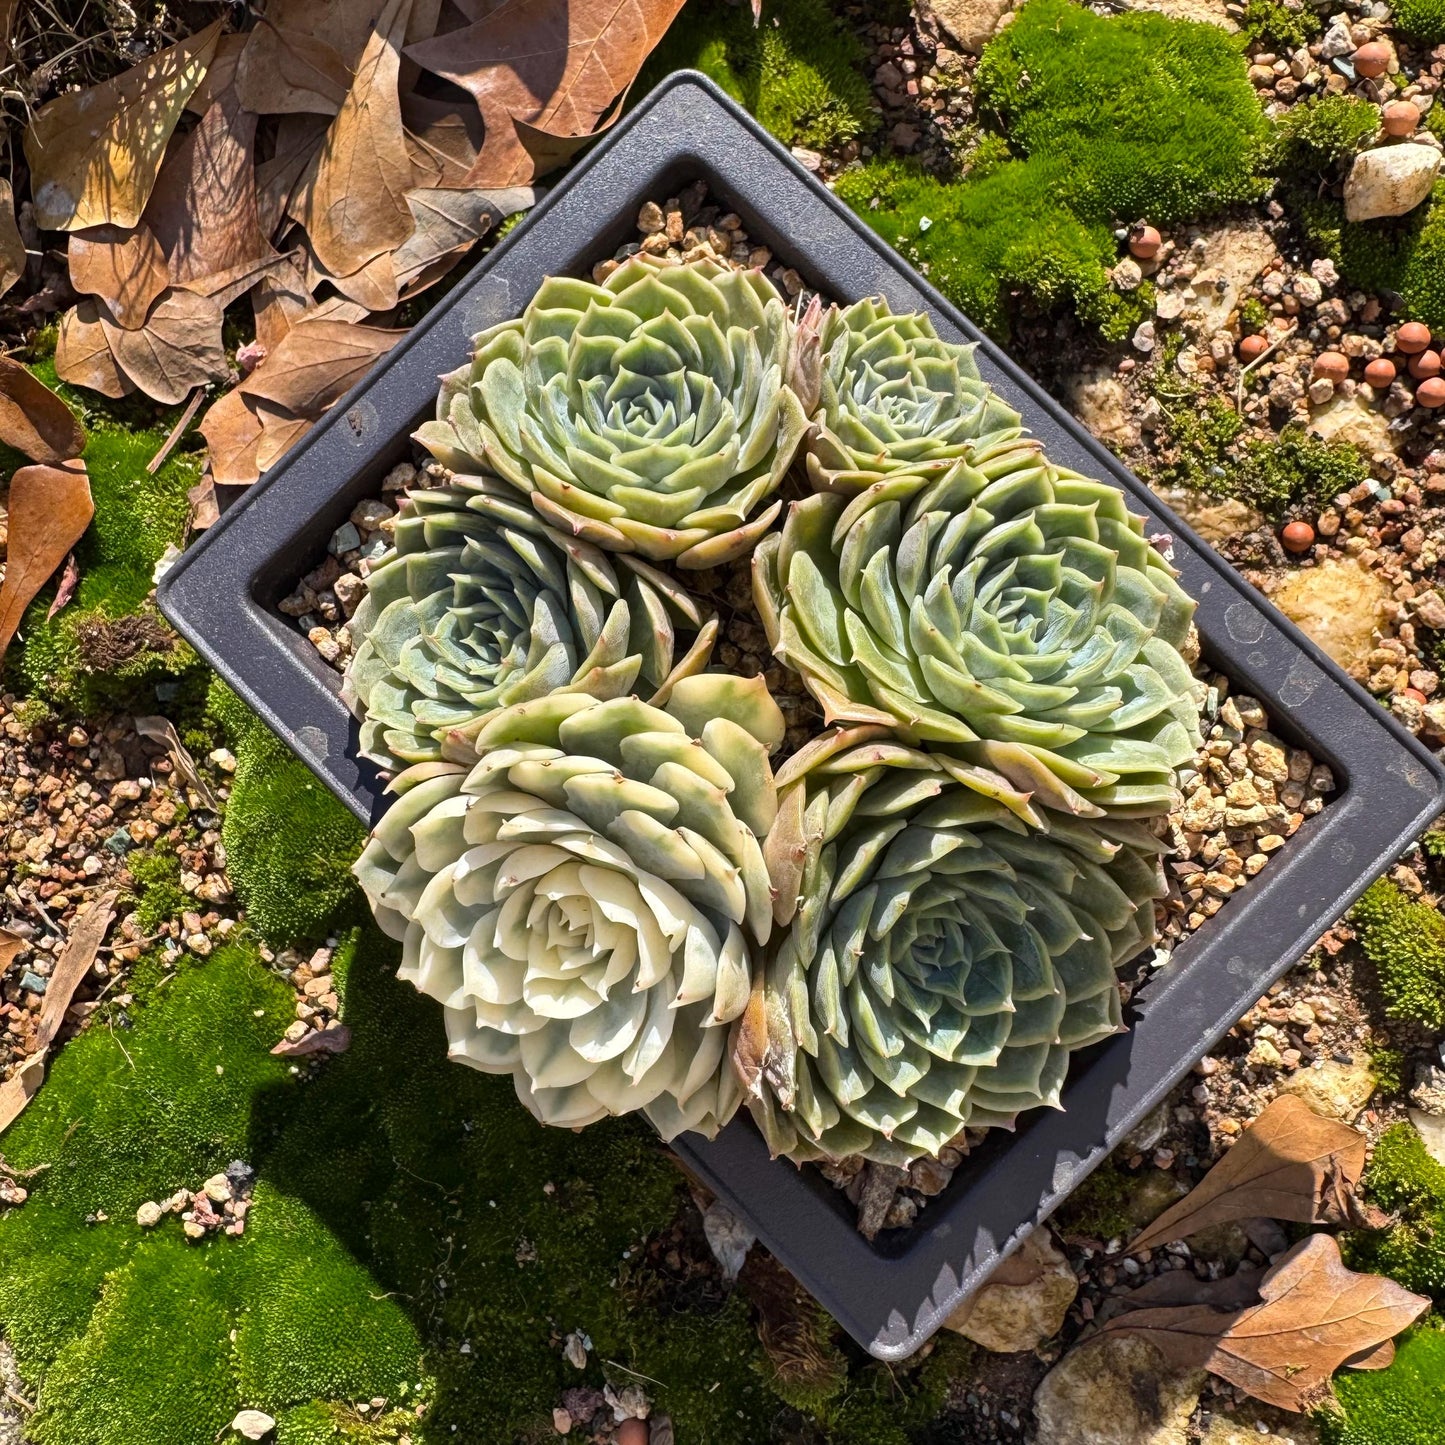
x,y
891,1294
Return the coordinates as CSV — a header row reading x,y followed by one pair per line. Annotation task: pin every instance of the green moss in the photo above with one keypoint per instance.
x,y
1147,116
1310,138
1197,435
1099,1207
1422,19
1405,254
1406,1181
1406,942
799,71
289,842
1280,23
1252,314
1298,470
159,897
1402,1405
1388,1067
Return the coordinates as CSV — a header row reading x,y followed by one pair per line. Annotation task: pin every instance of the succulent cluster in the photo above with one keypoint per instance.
x,y
598,859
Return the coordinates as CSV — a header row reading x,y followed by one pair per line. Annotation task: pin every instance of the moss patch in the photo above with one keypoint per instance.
x,y
1405,940
799,71
1422,19
1403,1405
1405,1180
289,842
1310,138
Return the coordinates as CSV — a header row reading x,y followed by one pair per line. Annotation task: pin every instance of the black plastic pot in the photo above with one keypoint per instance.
x,y
892,1294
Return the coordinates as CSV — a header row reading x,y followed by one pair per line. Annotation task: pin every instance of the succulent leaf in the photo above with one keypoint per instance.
x,y
583,898
941,959
480,605
649,413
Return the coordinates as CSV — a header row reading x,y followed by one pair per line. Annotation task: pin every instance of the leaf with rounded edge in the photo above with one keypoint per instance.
x,y
12,247
33,419
178,348
94,153
125,269
233,438
49,509
316,362
83,356
287,71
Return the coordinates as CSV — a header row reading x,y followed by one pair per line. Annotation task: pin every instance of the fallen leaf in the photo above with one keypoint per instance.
x,y
162,730
203,208
94,153
443,138
280,431
373,287
283,72
205,506
12,247
335,1038
125,269
33,419
177,349
50,507
1314,1314
1289,1164
71,965
279,301
220,74
448,222
316,362
345,25
83,356
65,588
233,433
551,149
352,198
298,138
10,945
557,65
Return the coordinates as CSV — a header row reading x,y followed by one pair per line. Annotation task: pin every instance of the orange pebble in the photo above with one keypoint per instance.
x,y
1400,118
1431,393
1253,346
1416,694
1372,59
1332,365
1144,242
632,1432
1380,373
1298,536
1426,365
1413,336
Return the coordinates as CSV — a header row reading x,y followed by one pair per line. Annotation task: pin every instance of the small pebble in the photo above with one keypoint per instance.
x,y
1332,365
1425,365
1431,393
1400,118
1253,346
1380,373
1372,59
1144,242
1298,536
1412,337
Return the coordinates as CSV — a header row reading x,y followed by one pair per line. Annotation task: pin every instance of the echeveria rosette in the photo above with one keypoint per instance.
x,y
583,895
942,959
649,413
1009,611
893,397
480,605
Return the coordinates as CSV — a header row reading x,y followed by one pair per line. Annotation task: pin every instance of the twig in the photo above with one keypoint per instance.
x,y
1249,366
177,431
121,1046
19,1399
636,1374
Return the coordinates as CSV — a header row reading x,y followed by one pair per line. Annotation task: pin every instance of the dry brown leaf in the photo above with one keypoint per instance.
x,y
10,945
443,138
159,729
373,287
298,138
335,1038
557,65
94,153
73,963
220,75
280,431
178,348
1313,1316
233,433
1289,1164
65,588
12,247
49,509
316,362
33,419
346,25
448,222
278,303
126,269
203,209
352,198
83,356
290,71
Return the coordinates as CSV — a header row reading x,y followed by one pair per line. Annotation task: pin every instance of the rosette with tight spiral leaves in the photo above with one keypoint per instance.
x,y
891,397
480,605
649,413
1008,610
942,959
580,892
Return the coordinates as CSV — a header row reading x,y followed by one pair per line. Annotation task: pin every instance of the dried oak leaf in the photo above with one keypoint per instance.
x,y
233,434
316,362
33,419
279,301
443,138
280,431
94,153
1289,1164
1313,1316
12,247
65,588
448,222
283,72
178,349
83,356
124,268
352,198
298,138
10,945
49,508
558,66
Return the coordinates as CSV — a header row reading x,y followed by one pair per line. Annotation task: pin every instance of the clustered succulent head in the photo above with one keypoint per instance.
x,y
943,959
480,605
647,414
590,860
